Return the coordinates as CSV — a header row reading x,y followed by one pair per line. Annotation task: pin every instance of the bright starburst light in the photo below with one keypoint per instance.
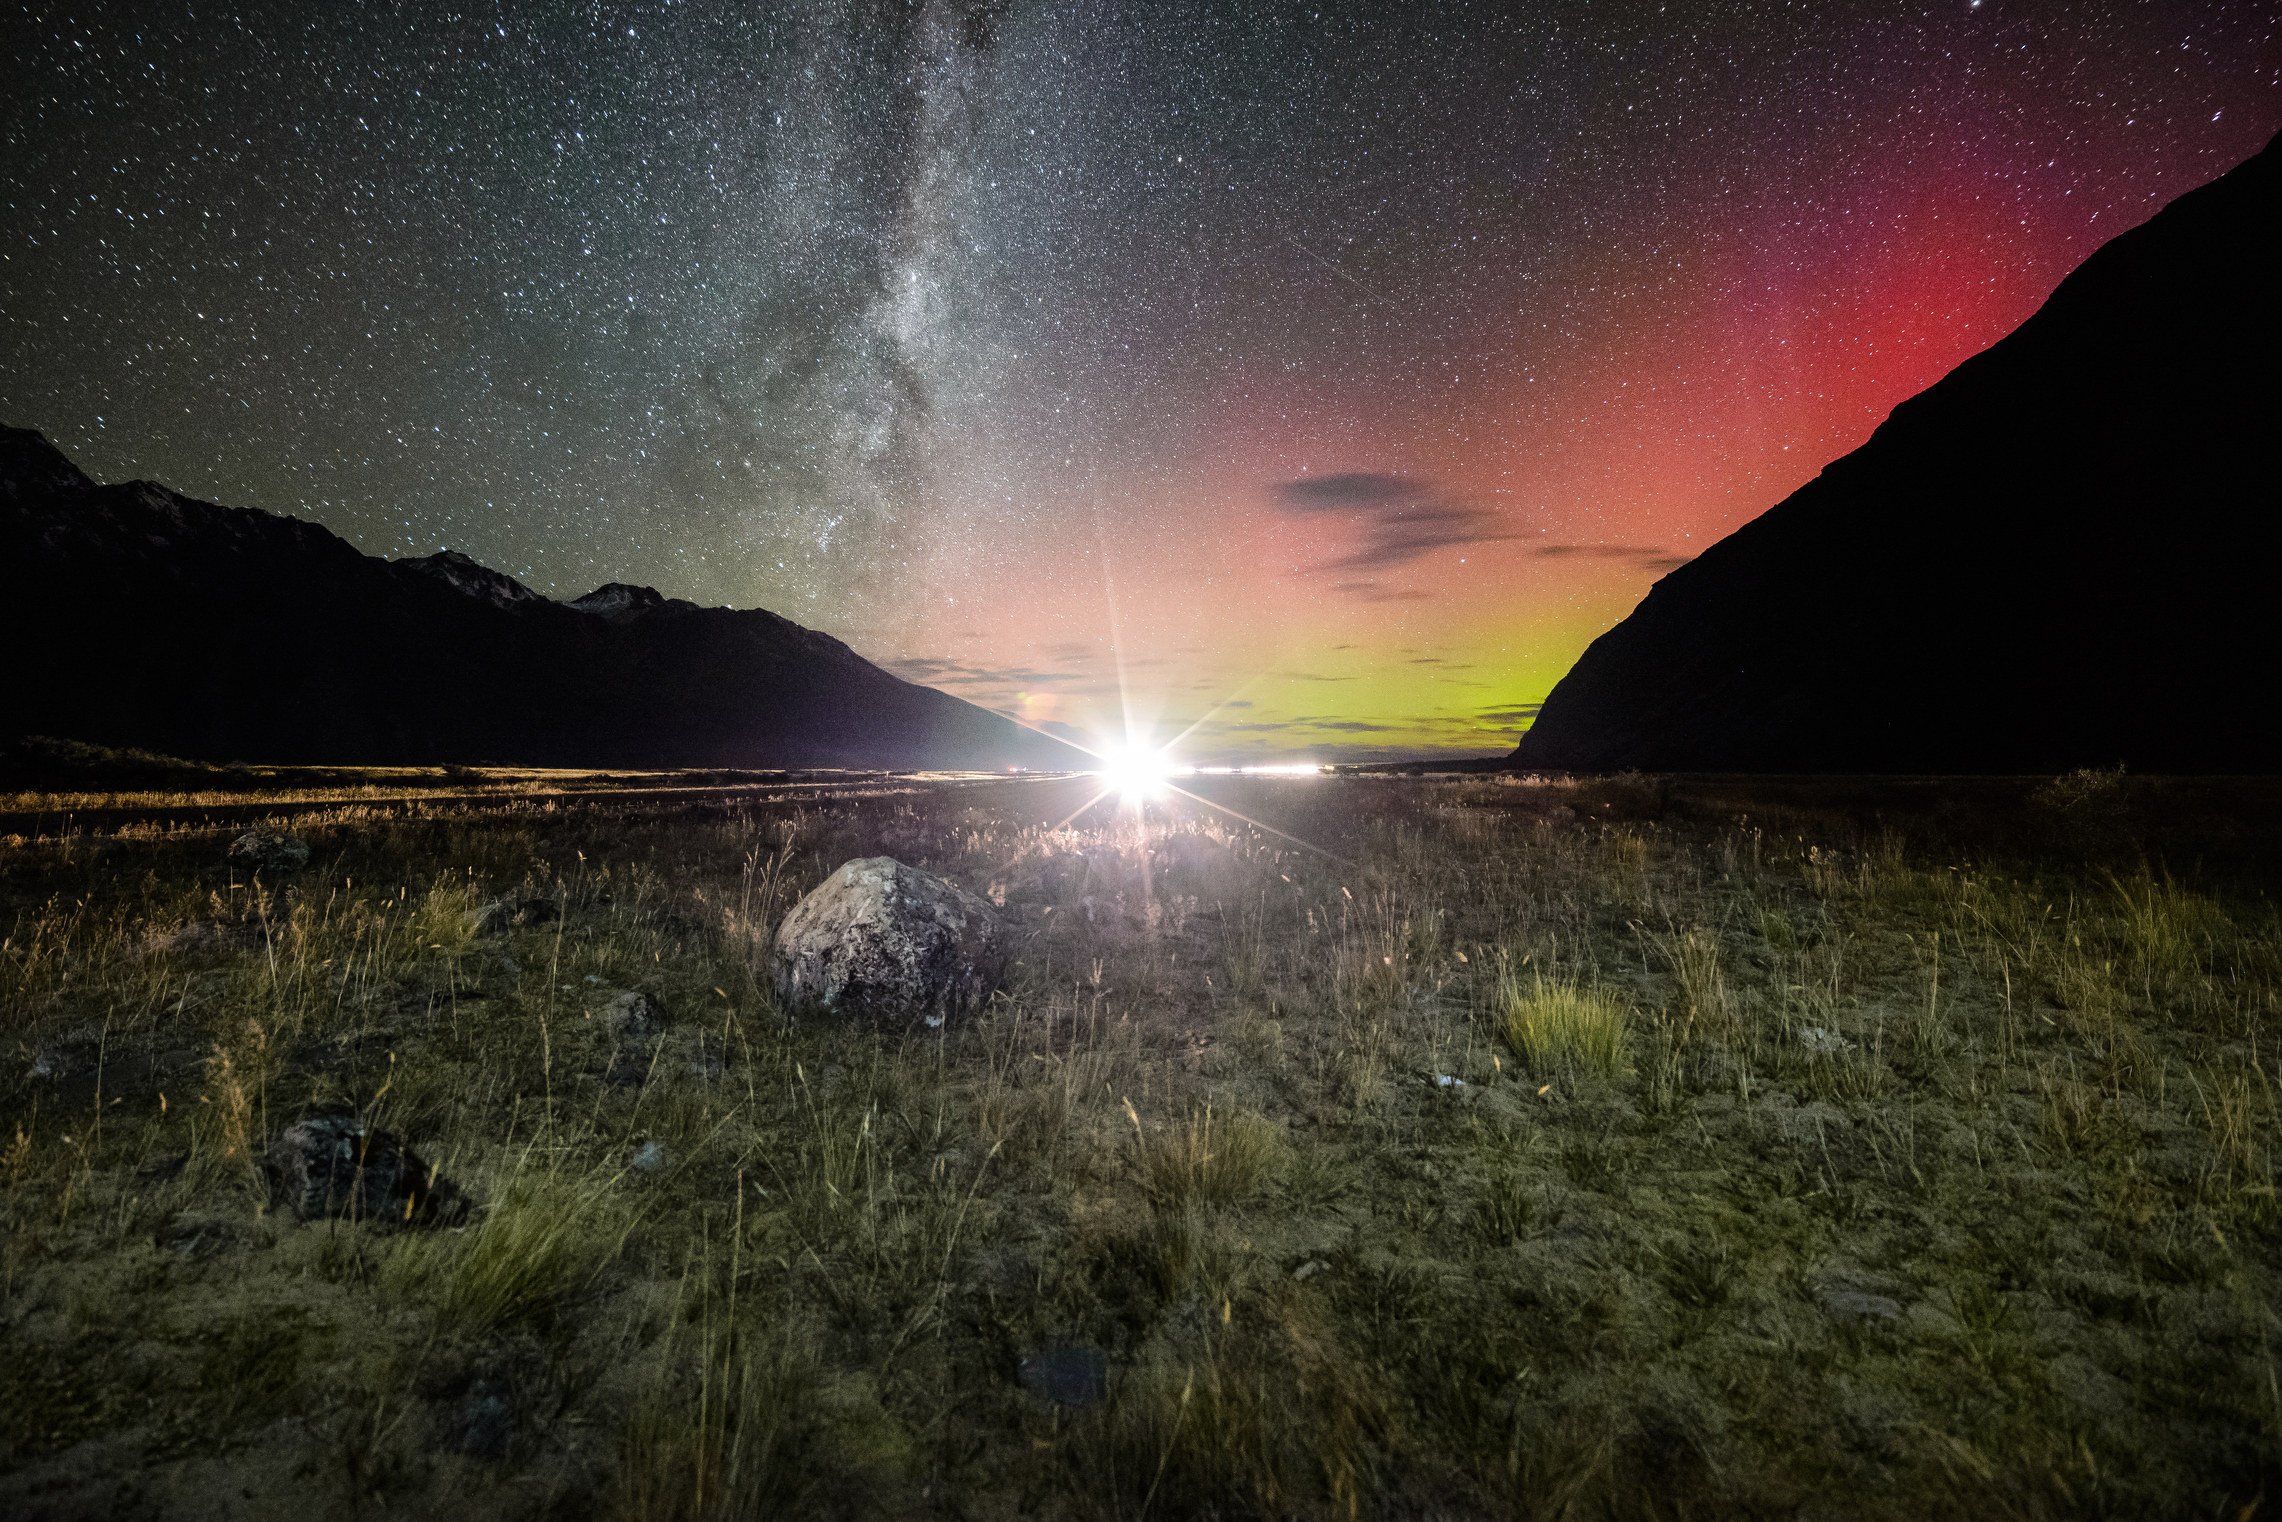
x,y
1136,770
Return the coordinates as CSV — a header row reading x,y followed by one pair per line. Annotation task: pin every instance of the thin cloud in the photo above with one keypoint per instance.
x,y
1378,591
1638,554
938,672
1397,519
1351,488
1306,725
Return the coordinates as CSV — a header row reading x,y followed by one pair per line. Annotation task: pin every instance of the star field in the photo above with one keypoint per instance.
x,y
1339,370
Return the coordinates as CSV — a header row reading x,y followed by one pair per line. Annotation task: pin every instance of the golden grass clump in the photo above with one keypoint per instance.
x,y
1561,1026
449,916
726,1441
1210,1158
533,1251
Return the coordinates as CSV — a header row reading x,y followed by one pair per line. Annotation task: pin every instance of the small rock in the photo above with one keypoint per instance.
x,y
266,850
631,1016
886,942
1068,1375
502,913
483,1423
1309,1270
332,1164
1824,1043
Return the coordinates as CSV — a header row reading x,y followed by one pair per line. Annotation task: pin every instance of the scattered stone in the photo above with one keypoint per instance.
x,y
483,1423
333,1164
1824,1043
882,941
1068,1375
266,850
632,1016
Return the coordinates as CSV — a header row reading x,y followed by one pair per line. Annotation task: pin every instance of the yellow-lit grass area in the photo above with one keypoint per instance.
x,y
535,1248
1472,1147
1207,1158
1565,1028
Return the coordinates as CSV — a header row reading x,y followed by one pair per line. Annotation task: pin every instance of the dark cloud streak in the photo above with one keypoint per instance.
x,y
1397,520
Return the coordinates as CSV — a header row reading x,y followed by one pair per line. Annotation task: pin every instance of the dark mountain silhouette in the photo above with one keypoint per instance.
x,y
2062,554
137,617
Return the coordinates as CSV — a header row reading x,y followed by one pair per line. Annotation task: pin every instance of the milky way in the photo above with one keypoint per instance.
x,y
1336,371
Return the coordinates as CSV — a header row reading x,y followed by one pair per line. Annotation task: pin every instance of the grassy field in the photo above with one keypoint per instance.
x,y
1451,1148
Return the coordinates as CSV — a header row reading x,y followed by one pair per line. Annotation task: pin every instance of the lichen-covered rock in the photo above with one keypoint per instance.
x,y
632,1015
263,850
333,1164
882,941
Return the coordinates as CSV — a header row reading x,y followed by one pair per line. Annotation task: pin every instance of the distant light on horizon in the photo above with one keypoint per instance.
x,y
1137,772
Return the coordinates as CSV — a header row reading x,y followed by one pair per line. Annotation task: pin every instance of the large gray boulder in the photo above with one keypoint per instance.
x,y
262,849
885,942
333,1164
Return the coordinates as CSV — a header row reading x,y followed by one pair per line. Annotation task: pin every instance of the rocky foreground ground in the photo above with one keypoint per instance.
x,y
1443,1149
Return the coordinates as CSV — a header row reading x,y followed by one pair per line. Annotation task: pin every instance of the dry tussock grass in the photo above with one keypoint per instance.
x,y
1527,1149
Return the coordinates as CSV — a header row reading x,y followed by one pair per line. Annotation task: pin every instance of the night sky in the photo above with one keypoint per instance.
x,y
1343,371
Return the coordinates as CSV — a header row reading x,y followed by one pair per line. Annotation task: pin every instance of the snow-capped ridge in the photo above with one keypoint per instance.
x,y
464,573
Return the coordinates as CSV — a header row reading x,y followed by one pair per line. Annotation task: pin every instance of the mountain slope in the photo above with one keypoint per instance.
x,y
2061,554
140,617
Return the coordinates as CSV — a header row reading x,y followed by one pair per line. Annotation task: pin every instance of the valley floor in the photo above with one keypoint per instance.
x,y
1365,1147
